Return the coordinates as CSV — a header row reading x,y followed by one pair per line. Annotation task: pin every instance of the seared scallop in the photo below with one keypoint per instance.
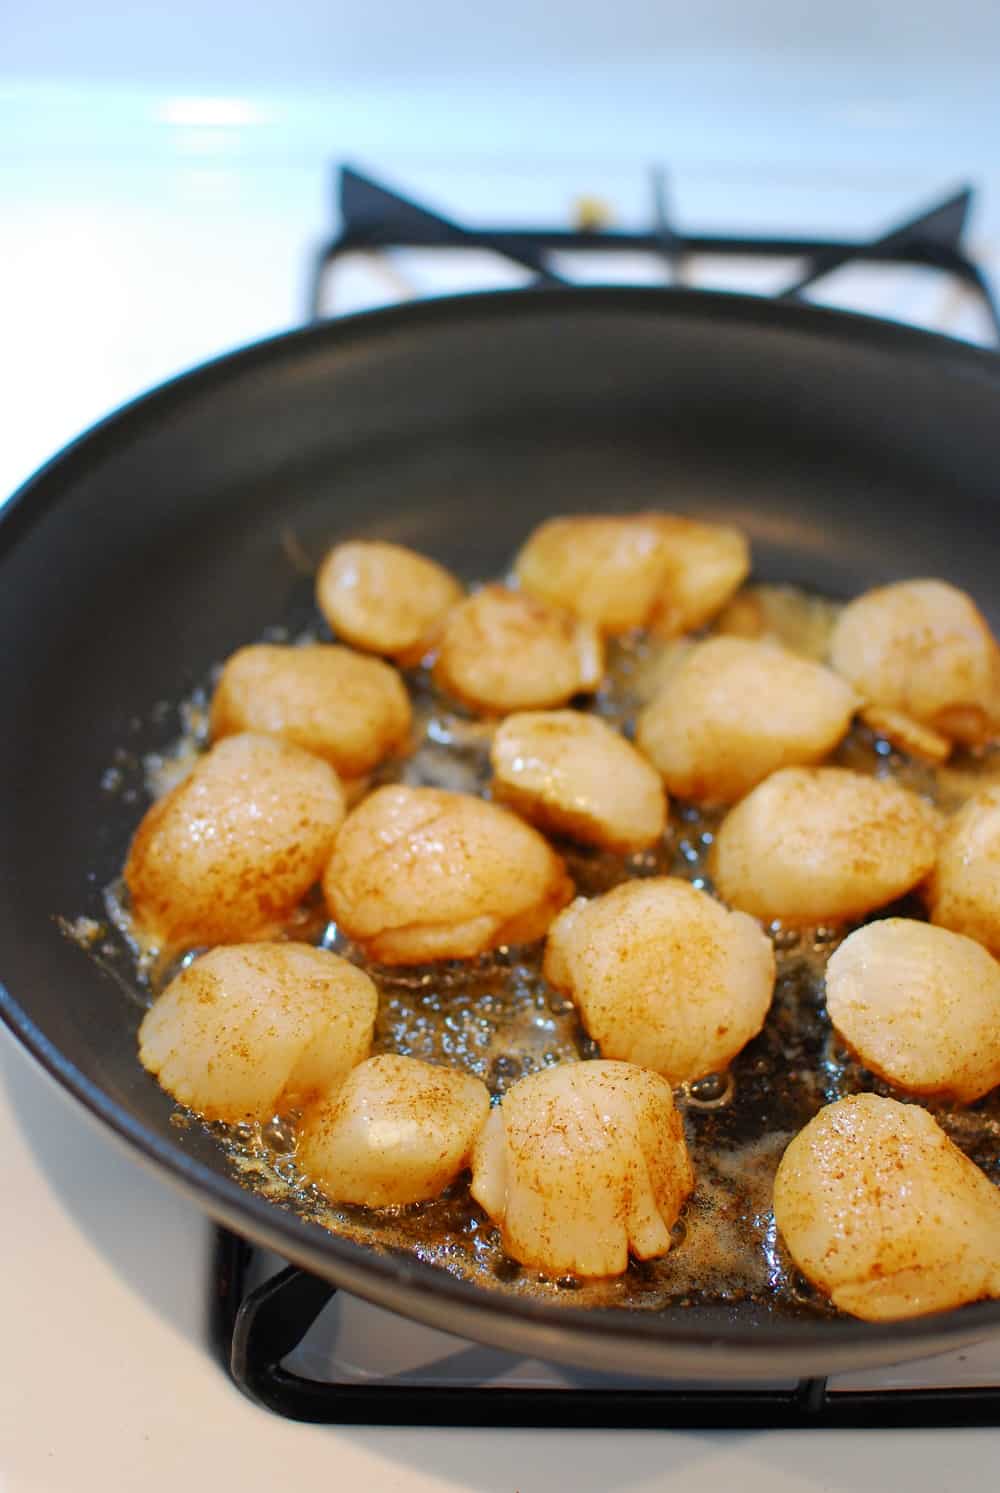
x,y
385,598
501,651
822,844
582,1165
640,570
664,976
229,853
247,1031
924,650
706,564
884,1214
398,1131
575,775
734,711
350,710
920,1006
420,874
607,570
964,891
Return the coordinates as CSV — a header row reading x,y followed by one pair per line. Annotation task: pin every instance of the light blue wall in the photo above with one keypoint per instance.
x,y
240,41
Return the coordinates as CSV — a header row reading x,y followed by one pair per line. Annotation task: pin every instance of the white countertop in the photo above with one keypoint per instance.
x,y
138,241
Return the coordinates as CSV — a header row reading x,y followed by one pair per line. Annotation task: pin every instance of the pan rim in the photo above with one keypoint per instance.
x,y
786,1345
966,359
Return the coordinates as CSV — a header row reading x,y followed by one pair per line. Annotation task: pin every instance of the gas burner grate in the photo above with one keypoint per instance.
x,y
375,218
255,1329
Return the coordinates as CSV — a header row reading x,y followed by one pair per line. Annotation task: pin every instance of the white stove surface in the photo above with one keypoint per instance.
x,y
353,1342
119,275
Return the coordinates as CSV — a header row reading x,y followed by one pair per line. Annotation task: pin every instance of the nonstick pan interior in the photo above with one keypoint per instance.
x,y
852,452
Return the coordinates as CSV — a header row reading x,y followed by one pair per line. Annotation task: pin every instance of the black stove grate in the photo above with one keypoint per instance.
x,y
256,1330
373,217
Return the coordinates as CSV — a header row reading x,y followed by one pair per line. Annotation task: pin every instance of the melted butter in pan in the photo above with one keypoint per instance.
x,y
496,1018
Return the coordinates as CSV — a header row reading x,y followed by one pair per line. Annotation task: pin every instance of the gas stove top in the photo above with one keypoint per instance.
x,y
289,1341
298,1347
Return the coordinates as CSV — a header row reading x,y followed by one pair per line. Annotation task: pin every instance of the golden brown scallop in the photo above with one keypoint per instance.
x,y
385,598
920,1006
501,651
398,1131
664,976
706,565
639,570
884,1214
575,775
249,1030
420,874
229,853
822,844
607,570
964,890
350,710
734,711
923,649
581,1165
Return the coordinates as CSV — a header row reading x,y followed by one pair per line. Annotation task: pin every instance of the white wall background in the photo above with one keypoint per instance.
x,y
848,82
238,41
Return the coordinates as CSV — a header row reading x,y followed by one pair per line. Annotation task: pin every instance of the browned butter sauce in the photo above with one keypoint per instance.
x,y
496,1017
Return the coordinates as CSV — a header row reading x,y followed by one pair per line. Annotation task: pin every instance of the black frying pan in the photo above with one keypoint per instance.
x,y
852,451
